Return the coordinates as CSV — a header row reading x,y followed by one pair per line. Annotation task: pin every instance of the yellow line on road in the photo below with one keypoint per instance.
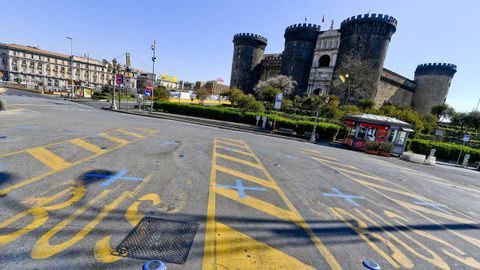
x,y
241,161
48,158
332,262
232,140
232,144
87,145
263,206
42,176
248,177
209,246
235,151
136,135
113,138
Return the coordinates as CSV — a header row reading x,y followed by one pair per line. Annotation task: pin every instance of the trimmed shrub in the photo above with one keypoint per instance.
x,y
448,151
325,131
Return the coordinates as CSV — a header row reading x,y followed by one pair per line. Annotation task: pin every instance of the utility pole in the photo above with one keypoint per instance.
x,y
71,67
154,46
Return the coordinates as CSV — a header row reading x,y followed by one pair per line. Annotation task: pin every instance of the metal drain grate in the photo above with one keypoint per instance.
x,y
158,239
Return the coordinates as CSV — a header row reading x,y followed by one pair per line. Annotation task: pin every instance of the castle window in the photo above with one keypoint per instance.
x,y
324,61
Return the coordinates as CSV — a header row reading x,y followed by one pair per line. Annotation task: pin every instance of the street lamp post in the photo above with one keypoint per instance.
x,y
154,46
113,106
71,67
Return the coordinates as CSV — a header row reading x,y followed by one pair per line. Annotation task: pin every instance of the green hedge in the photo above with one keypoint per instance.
x,y
325,131
448,151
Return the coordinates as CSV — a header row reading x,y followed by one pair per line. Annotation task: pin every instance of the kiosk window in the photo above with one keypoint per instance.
x,y
361,133
392,136
401,137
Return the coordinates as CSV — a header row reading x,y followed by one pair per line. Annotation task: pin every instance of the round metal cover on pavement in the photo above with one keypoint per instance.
x,y
154,265
371,265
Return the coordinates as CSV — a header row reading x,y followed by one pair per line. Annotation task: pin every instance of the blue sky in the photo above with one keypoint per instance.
x,y
194,37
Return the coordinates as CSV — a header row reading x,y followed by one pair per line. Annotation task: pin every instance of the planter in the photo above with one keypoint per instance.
x,y
372,152
385,154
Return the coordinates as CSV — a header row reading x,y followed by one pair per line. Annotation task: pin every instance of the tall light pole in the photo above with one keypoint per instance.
x,y
113,106
478,104
71,66
154,46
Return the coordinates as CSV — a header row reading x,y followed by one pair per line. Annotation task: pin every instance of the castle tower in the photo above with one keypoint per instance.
x,y
433,82
366,37
247,54
300,41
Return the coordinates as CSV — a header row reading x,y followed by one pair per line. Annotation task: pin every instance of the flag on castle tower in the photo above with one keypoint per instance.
x,y
305,18
323,18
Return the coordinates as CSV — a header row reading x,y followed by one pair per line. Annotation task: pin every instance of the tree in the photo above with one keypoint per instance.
x,y
282,82
268,95
442,111
202,94
161,93
366,103
248,103
234,95
461,119
354,77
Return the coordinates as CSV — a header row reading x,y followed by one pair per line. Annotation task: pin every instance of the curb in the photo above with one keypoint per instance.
x,y
209,122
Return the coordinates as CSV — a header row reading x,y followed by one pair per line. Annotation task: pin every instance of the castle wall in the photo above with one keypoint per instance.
x,y
366,37
271,66
300,42
395,89
247,55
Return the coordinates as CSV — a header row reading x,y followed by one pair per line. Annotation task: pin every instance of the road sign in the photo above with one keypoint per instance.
x,y
148,93
466,138
119,79
148,87
278,101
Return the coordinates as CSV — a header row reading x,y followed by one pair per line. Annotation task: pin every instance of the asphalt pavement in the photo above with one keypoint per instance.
x,y
75,180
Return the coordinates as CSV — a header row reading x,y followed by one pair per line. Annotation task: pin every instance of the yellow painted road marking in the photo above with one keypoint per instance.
x,y
42,176
238,160
209,246
213,241
236,250
103,251
113,138
233,144
87,145
43,249
245,176
236,151
136,135
257,204
232,140
361,228
48,158
40,217
420,210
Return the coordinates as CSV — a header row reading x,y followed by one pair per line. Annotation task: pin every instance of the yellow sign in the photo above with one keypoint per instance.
x,y
169,78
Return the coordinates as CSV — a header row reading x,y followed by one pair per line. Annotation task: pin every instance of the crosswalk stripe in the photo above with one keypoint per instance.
x,y
87,145
247,177
113,138
241,161
136,135
48,158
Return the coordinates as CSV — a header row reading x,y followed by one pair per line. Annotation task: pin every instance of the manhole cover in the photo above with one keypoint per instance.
x,y
158,239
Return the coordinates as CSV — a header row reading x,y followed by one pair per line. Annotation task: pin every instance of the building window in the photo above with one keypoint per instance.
x,y
324,61
24,64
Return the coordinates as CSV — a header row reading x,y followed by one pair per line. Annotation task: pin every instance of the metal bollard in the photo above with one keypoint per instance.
x,y
465,160
371,265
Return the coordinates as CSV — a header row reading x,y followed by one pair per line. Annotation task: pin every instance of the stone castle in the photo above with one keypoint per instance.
x,y
311,57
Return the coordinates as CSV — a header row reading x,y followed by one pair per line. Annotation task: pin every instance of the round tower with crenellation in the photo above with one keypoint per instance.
x,y
366,37
432,85
247,54
300,41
